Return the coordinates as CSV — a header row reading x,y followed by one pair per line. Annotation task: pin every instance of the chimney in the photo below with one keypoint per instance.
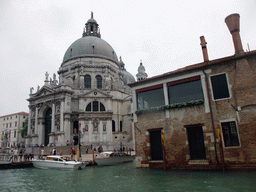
x,y
232,22
204,49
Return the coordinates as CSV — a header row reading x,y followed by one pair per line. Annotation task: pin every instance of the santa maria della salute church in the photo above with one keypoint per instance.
x,y
91,103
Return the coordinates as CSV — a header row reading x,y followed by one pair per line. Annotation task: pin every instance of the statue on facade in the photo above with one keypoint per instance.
x,y
46,76
31,90
95,125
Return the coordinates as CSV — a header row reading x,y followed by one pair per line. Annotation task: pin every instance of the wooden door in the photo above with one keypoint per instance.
x,y
156,145
196,143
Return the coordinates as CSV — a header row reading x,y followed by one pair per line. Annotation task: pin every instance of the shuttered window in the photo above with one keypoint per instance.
x,y
220,86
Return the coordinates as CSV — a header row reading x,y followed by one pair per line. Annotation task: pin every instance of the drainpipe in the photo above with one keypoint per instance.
x,y
212,121
206,59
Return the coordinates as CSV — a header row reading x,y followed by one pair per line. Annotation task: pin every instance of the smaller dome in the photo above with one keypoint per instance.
x,y
91,20
127,77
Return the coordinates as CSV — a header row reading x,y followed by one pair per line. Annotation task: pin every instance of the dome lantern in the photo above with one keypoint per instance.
x,y
141,72
92,28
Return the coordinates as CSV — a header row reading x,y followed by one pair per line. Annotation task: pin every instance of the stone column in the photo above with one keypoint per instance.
x,y
90,131
53,118
81,83
36,121
109,102
29,121
100,129
81,130
67,126
62,116
109,131
81,104
40,131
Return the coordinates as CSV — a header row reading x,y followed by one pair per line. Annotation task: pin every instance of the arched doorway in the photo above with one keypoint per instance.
x,y
48,126
75,132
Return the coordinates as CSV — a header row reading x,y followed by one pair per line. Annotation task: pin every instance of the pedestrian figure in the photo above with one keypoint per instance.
x,y
54,152
73,152
42,153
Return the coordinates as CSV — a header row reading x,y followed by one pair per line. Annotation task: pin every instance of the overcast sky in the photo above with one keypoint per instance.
x,y
165,35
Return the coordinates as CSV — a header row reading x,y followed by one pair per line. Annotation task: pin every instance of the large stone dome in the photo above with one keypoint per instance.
x,y
90,46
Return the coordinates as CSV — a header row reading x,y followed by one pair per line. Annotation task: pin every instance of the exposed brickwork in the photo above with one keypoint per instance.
x,y
240,107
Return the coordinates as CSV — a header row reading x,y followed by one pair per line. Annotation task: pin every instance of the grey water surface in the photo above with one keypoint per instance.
x,y
125,177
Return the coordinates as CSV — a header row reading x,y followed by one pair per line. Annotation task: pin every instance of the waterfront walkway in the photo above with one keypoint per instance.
x,y
22,160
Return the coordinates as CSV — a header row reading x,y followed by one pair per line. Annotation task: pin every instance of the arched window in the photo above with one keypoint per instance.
x,y
113,126
99,81
87,82
89,107
95,106
102,107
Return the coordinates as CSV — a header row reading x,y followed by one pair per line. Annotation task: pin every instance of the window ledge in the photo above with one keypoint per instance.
x,y
198,162
171,106
156,161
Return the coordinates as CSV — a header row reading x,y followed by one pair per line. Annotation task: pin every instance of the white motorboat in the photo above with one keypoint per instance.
x,y
56,162
112,158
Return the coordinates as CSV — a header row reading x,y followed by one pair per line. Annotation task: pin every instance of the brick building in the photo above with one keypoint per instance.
x,y
10,125
199,116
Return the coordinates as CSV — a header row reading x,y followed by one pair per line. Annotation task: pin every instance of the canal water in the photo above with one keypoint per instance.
x,y
124,177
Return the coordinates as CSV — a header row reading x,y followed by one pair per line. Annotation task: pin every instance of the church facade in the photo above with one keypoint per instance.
x,y
91,101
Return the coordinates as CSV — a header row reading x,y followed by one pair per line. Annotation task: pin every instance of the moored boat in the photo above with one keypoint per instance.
x,y
112,158
56,162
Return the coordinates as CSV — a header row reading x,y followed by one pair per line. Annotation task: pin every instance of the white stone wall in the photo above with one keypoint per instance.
x,y
12,123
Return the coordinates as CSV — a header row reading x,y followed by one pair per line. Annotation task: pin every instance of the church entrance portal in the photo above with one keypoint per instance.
x,y
75,138
75,132
48,125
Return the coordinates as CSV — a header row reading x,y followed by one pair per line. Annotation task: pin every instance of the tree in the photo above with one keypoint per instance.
x,y
24,130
